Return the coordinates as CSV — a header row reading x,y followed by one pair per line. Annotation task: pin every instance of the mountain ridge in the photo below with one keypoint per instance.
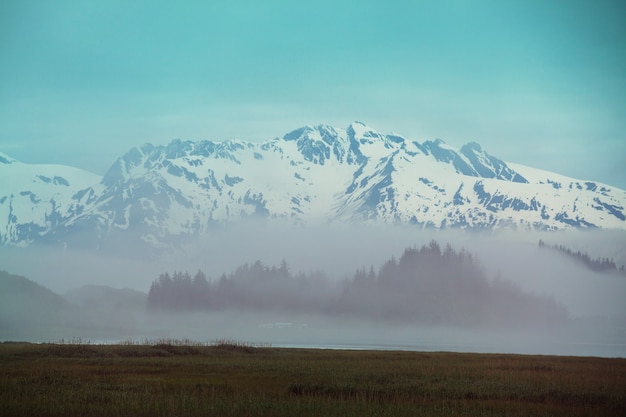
x,y
158,196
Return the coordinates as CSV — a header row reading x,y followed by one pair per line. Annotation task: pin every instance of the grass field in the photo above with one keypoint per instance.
x,y
232,379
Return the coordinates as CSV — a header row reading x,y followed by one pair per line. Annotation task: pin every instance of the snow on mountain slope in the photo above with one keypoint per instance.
x,y
576,202
36,198
159,196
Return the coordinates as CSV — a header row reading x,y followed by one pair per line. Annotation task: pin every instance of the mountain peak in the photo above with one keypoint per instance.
x,y
357,126
297,133
488,166
156,196
473,146
360,130
439,144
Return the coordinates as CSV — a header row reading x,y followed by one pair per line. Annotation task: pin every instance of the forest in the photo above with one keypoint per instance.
x,y
593,264
427,285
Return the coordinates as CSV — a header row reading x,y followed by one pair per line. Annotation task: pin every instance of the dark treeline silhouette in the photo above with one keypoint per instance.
x,y
250,287
438,286
426,285
597,265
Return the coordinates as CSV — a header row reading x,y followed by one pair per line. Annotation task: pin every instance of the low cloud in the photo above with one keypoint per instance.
x,y
594,301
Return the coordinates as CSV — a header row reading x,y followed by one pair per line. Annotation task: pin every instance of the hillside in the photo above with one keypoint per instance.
x,y
27,308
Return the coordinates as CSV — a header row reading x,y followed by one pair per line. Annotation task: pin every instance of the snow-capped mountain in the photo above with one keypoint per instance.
x,y
159,196
35,199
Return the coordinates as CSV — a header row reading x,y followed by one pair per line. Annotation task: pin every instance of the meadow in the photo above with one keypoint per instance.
x,y
181,378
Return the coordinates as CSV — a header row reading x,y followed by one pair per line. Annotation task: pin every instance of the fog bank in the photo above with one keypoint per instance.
x,y
594,301
338,250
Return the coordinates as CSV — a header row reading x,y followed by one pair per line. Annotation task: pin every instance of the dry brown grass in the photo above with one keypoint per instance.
x,y
235,379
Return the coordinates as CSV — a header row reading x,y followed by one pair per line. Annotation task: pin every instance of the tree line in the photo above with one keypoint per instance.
x,y
429,284
599,264
250,287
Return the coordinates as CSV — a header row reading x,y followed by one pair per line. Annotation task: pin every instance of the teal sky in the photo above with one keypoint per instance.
x,y
542,83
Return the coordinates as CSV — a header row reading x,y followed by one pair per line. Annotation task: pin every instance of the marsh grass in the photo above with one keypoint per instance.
x,y
228,378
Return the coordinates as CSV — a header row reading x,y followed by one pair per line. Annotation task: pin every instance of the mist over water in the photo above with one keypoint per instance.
x,y
594,301
298,330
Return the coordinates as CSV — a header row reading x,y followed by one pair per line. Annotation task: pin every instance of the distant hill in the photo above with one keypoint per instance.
x,y
27,308
106,299
32,312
